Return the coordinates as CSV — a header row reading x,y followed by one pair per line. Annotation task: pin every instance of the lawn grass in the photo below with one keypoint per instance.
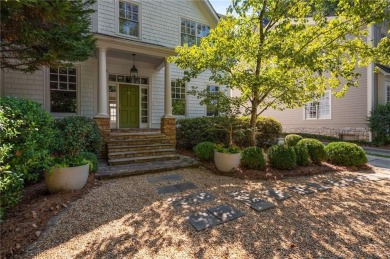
x,y
378,155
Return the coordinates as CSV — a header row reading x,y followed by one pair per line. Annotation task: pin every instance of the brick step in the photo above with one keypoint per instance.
x,y
121,148
124,136
132,142
132,160
144,153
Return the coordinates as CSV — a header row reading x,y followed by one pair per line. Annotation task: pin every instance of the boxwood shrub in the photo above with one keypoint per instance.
x,y
204,151
282,157
292,140
315,148
303,157
348,154
253,158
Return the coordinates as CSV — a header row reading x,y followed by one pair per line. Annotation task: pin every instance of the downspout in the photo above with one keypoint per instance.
x,y
370,77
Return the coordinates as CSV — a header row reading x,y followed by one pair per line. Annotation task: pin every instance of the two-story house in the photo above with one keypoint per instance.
x,y
128,83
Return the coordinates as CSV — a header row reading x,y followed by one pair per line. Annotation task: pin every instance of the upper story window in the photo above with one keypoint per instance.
x,y
178,98
63,90
212,109
193,32
319,109
128,19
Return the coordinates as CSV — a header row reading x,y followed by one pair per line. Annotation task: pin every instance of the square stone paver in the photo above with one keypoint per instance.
x,y
261,205
318,187
161,178
203,220
300,190
353,180
280,196
252,201
195,198
167,189
185,186
225,212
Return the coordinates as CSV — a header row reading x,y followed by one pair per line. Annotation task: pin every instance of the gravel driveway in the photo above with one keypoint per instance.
x,y
126,218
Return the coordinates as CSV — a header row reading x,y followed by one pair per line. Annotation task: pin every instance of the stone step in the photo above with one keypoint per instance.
x,y
124,136
107,172
132,142
143,153
123,161
121,148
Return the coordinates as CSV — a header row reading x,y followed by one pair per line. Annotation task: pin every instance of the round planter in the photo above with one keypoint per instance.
x,y
226,162
67,179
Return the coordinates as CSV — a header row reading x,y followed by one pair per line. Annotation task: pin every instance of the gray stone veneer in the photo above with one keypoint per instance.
x,y
342,133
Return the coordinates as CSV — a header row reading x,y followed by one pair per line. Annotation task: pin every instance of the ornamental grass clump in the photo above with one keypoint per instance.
x,y
347,154
253,158
282,157
205,151
315,148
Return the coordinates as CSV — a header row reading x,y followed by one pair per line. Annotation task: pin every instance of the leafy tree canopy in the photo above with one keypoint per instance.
x,y
283,53
36,33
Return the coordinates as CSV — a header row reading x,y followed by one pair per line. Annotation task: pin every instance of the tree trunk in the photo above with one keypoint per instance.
x,y
252,141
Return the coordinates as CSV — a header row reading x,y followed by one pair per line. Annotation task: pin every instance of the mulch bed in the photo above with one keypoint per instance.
x,y
275,174
24,223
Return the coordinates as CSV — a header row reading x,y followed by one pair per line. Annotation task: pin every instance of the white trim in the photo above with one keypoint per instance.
x,y
329,117
209,83
125,36
196,27
370,77
383,72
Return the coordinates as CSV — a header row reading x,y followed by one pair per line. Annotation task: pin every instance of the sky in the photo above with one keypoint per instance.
x,y
220,5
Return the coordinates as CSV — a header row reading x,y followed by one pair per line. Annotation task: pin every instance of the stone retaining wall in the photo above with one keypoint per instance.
x,y
342,133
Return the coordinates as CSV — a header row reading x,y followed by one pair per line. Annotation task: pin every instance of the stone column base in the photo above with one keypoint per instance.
x,y
104,126
168,127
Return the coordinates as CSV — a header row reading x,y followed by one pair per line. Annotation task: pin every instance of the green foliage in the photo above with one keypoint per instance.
x,y
204,151
11,187
227,150
37,33
315,148
178,107
282,157
379,123
253,158
292,57
291,140
25,136
348,154
76,134
303,157
92,160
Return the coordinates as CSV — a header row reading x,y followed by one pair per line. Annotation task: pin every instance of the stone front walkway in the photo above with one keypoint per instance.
x,y
127,218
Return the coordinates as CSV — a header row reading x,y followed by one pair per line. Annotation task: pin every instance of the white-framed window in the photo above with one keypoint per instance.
x,y
319,109
129,19
178,98
192,32
212,109
63,90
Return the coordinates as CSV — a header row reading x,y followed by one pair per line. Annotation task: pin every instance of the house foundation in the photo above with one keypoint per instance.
x,y
104,126
168,127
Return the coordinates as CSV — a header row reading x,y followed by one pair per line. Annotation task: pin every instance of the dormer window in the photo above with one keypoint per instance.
x,y
128,19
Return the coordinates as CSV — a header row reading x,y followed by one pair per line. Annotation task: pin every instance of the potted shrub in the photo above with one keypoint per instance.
x,y
71,159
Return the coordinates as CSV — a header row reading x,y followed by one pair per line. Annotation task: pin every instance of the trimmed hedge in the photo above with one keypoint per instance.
x,y
253,158
192,131
282,157
292,140
303,157
347,154
204,151
315,148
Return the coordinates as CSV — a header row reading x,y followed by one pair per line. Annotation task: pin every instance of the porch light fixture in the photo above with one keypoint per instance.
x,y
134,70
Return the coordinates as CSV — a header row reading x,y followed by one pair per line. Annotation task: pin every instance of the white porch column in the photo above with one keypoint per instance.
x,y
168,94
102,91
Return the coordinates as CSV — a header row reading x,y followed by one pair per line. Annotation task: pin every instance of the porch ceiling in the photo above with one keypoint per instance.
x,y
139,58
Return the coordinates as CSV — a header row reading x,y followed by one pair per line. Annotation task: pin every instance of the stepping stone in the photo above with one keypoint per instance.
x,y
318,187
353,180
193,199
254,202
225,212
300,190
335,183
277,194
167,189
185,186
203,220
171,177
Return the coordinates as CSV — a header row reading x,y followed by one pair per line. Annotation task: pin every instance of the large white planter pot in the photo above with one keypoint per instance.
x,y
226,162
67,179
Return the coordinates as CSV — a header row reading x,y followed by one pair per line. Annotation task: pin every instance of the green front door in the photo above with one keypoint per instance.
x,y
128,106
